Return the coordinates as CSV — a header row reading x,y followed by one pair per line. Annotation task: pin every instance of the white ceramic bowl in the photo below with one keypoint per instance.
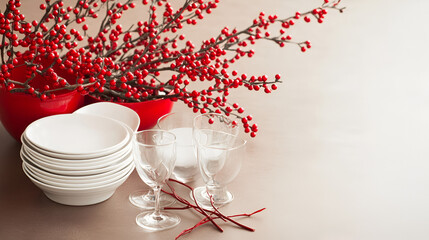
x,y
86,179
61,164
78,196
72,157
121,163
114,111
77,134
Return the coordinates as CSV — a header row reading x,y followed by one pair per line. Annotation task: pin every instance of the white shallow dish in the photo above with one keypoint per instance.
x,y
113,111
77,134
78,196
84,157
78,179
55,183
118,165
60,164
90,157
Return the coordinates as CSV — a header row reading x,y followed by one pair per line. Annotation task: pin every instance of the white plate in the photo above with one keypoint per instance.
x,y
114,111
77,134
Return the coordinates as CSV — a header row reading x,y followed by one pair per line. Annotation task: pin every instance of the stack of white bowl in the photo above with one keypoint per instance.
x,y
77,159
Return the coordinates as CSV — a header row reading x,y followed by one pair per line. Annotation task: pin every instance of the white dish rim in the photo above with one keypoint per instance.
x,y
105,150
76,177
83,110
91,189
77,165
120,164
74,185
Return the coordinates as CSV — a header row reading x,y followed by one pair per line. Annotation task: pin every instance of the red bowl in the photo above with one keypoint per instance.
x,y
148,111
18,110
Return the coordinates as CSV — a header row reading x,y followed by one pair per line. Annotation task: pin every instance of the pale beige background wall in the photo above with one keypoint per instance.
x,y
342,152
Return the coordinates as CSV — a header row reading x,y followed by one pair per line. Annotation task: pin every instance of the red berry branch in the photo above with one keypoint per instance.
x,y
146,60
209,215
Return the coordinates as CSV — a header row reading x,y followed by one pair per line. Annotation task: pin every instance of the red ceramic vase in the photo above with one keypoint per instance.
x,y
18,110
148,111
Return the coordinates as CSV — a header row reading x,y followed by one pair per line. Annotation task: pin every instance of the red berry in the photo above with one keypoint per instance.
x,y
274,87
10,86
297,15
63,82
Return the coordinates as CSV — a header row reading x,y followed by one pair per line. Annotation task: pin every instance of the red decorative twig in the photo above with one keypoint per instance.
x,y
205,220
209,215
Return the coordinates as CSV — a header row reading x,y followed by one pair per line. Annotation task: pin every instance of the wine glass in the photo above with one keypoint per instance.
x,y
212,130
155,155
180,124
146,199
219,162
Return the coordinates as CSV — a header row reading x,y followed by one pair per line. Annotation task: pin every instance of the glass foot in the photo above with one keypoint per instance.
x,y
153,222
220,197
146,199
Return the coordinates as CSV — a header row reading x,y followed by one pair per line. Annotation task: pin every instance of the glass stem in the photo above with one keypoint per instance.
x,y
157,213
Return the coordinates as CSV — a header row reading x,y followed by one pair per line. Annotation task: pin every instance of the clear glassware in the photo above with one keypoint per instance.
x,y
219,153
220,162
146,199
155,155
180,124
